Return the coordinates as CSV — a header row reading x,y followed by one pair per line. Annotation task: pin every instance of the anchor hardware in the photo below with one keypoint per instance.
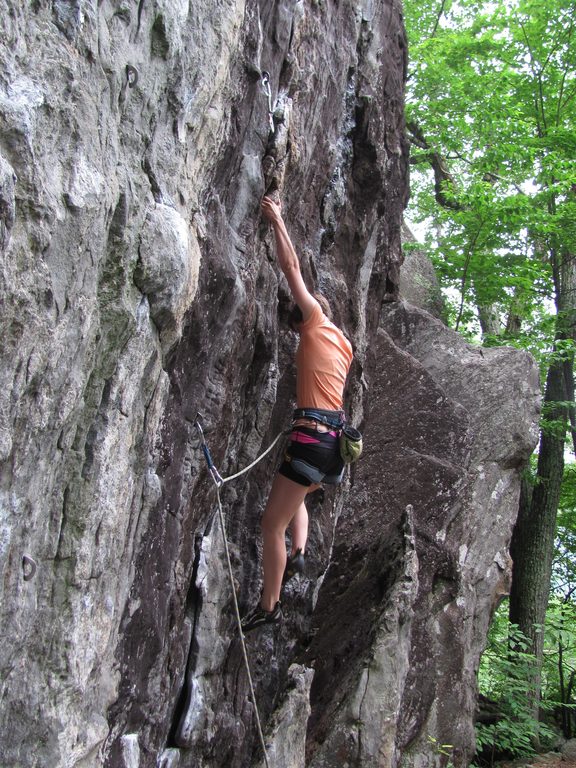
x,y
29,567
131,75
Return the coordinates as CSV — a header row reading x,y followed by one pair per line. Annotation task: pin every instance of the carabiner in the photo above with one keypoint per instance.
x,y
211,467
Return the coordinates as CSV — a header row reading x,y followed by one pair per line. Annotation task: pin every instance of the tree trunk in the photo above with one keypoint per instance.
x,y
532,545
490,323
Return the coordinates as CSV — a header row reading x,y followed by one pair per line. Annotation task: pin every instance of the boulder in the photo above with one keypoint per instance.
x,y
569,750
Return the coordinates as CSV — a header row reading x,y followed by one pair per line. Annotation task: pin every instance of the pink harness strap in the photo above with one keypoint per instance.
x,y
300,437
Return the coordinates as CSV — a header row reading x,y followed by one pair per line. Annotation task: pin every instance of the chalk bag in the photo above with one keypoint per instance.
x,y
350,444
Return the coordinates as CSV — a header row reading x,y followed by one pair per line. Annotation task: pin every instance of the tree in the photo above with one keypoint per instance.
x,y
562,612
491,116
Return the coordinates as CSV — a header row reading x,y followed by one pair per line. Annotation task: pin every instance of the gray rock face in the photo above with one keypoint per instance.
x,y
138,287
418,282
569,750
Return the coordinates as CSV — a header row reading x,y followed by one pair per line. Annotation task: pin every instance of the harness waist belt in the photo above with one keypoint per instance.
x,y
334,419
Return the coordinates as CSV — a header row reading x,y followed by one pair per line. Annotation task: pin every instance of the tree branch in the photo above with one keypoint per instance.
x,y
442,176
438,17
493,175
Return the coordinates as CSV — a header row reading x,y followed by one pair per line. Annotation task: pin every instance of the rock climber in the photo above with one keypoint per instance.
x,y
312,455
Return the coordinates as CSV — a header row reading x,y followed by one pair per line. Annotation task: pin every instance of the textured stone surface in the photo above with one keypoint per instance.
x,y
286,733
138,286
569,750
418,282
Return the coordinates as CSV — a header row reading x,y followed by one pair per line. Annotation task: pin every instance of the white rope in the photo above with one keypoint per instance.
x,y
249,467
219,482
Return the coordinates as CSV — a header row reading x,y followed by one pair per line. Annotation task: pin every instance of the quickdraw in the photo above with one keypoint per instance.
x,y
218,480
131,75
268,92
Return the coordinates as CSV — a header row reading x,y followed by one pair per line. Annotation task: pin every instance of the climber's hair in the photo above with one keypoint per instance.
x,y
295,316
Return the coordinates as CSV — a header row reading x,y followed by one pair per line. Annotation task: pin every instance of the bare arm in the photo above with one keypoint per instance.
x,y
288,259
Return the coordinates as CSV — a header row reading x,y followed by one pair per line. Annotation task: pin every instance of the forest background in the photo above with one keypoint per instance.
x,y
491,116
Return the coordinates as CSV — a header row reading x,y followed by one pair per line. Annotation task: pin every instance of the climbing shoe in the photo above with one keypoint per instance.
x,y
294,565
258,617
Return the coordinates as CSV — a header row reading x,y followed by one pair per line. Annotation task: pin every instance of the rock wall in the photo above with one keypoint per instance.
x,y
138,288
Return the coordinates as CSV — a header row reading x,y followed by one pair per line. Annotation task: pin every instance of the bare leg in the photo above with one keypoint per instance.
x,y
285,500
299,524
299,529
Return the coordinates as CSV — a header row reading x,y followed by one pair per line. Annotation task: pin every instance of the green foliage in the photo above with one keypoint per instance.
x,y
507,669
492,90
508,676
560,652
442,749
561,680
564,565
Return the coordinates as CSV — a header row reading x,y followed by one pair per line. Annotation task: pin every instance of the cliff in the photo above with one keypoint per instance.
x,y
139,287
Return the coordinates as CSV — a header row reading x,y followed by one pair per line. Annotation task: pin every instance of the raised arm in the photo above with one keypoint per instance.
x,y
287,258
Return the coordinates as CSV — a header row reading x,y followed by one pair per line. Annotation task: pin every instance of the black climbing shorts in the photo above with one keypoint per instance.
x,y
313,457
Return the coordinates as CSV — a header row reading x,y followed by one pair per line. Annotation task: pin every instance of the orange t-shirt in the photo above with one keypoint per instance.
x,y
322,362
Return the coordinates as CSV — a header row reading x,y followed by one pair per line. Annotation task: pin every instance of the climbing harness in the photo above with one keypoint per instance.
x,y
219,481
334,419
268,92
350,439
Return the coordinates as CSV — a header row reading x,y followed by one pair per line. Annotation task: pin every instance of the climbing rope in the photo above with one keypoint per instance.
x,y
249,467
219,481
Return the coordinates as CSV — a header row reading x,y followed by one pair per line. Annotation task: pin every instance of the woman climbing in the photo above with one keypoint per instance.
x,y
312,456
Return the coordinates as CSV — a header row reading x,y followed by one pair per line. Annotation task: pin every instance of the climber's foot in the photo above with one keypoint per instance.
x,y
258,617
294,565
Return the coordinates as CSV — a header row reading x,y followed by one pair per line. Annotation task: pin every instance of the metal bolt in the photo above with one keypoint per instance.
x,y
29,567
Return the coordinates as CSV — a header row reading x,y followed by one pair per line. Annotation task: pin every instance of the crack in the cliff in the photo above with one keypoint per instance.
x,y
139,17
63,522
192,611
237,690
337,506
360,708
433,460
152,178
